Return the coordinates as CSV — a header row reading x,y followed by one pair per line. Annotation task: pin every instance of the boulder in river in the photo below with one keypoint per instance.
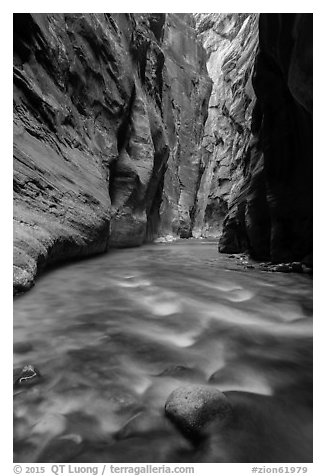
x,y
192,407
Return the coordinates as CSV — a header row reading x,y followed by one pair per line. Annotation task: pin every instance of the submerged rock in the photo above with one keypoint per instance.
x,y
192,407
144,422
180,372
29,375
61,449
22,347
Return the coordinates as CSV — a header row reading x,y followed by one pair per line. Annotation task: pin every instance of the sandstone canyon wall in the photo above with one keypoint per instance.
x,y
123,133
108,120
231,42
190,89
270,213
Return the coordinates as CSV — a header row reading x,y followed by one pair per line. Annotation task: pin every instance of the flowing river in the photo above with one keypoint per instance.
x,y
112,336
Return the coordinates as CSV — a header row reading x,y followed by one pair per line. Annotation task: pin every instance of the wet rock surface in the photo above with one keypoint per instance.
x,y
237,426
191,408
246,262
28,375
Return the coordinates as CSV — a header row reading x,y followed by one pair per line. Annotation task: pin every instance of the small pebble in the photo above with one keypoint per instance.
x,y
29,375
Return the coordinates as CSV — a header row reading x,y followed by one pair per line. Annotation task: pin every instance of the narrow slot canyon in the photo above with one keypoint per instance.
x,y
163,238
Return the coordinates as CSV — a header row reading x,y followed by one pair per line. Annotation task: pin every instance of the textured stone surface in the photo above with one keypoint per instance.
x,y
97,106
111,146
190,89
270,213
28,375
231,42
192,407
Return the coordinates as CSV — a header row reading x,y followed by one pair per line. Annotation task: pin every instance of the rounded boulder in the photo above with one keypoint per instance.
x,y
193,407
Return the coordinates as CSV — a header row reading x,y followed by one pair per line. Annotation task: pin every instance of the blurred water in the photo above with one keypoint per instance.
x,y
114,335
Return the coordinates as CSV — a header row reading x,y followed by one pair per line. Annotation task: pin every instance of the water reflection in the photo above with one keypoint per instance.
x,y
114,335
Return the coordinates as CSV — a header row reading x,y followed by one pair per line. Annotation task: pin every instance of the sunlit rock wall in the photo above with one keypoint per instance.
x,y
231,44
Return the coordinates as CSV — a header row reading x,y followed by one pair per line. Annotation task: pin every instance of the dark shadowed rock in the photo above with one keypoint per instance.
x,y
308,260
283,268
306,269
296,267
270,212
192,407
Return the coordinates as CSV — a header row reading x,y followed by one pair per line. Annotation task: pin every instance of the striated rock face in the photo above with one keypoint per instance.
x,y
231,42
104,105
112,147
270,211
190,89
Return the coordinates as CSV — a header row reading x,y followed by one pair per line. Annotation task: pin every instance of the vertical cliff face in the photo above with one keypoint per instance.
x,y
189,88
112,147
271,212
104,106
231,43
